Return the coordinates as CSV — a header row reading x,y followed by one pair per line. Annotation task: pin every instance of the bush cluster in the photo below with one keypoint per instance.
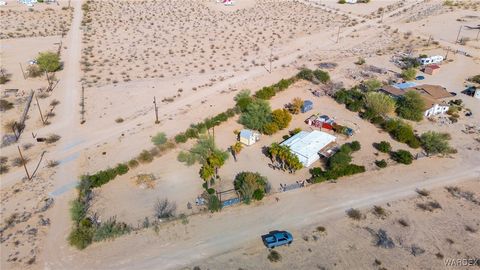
x,y
383,146
338,165
251,186
104,176
402,156
353,99
268,92
402,132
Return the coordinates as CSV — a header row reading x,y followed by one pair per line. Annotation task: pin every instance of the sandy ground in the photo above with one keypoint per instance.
x,y
348,244
308,36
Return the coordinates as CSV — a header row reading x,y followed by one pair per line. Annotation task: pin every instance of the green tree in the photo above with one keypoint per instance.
x,y
436,143
411,106
236,148
371,85
249,183
48,62
282,118
270,128
409,74
206,172
383,146
243,99
379,103
257,114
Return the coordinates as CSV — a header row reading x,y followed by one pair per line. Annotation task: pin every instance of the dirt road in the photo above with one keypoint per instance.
x,y
206,236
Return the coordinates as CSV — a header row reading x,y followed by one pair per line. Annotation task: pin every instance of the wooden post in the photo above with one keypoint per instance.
x,y
156,110
83,106
458,35
271,55
23,72
338,34
14,129
40,110
429,39
478,34
24,163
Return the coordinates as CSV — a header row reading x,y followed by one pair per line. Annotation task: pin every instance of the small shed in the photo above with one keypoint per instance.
x,y
307,106
431,69
249,137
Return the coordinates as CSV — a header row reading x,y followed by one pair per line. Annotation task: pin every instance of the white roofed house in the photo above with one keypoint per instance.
x,y
307,145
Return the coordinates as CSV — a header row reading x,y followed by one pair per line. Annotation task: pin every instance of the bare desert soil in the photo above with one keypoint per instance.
x,y
194,57
422,239
18,21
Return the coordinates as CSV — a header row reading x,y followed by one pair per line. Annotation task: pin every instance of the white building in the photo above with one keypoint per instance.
x,y
249,137
306,145
436,109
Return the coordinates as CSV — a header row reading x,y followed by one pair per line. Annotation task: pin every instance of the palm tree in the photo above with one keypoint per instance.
x,y
236,148
206,173
273,150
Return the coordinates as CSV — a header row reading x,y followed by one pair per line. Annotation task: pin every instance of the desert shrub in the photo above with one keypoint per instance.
x,y
33,71
379,211
270,129
5,105
282,118
402,156
355,146
411,106
371,85
422,192
403,222
306,74
214,204
381,163
52,163
81,236
159,139
110,229
243,99
52,138
321,76
475,79
4,168
409,74
78,210
163,208
119,120
321,229
4,76
133,163
436,143
18,161
181,138
383,146
429,206
266,93
353,99
121,169
274,256
250,185
145,157
402,132
354,214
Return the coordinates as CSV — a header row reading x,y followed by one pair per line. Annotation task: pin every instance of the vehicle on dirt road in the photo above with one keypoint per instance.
x,y
277,238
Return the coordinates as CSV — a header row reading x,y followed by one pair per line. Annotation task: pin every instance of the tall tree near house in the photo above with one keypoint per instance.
x,y
296,105
206,173
216,160
379,103
236,148
49,63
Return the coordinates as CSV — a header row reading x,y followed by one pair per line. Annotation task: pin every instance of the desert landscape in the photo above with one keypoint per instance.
x,y
124,147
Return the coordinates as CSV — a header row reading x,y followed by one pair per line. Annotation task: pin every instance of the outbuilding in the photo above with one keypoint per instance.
x,y
307,145
249,137
431,69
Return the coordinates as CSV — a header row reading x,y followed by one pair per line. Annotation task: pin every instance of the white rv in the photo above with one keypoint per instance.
x,y
431,60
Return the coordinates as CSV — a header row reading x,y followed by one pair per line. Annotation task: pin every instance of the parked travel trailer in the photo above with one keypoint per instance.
x,y
431,60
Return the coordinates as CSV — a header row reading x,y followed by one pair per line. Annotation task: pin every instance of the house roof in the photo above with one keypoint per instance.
x,y
246,133
307,144
392,90
433,66
433,91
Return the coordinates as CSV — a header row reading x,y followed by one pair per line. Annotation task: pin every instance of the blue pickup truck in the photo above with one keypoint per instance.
x,y
277,238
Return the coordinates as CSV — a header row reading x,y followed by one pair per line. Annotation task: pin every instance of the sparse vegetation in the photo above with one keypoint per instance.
x,y
164,209
383,146
274,256
355,214
402,156
159,139
251,186
436,143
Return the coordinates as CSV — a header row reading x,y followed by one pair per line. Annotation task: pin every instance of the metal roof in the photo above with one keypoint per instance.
x,y
308,144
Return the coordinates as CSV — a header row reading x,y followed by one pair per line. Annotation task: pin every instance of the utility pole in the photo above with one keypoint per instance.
x,y
156,110
429,39
446,55
40,110
458,35
271,56
24,163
